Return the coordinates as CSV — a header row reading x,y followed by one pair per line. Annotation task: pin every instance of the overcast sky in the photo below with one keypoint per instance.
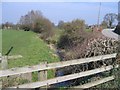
x,y
56,11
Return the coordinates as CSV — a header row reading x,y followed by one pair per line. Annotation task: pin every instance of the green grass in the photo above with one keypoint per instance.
x,y
88,30
29,45
0,40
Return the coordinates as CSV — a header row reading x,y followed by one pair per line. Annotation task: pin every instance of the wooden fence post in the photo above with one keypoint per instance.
x,y
42,75
4,63
0,84
0,65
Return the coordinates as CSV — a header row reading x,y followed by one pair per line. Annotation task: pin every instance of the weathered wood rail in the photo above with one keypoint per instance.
x,y
15,71
45,67
65,78
94,83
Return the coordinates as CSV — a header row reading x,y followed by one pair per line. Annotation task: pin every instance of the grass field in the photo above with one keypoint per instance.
x,y
0,41
29,45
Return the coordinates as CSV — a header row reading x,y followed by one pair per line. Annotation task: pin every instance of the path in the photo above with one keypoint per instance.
x,y
109,33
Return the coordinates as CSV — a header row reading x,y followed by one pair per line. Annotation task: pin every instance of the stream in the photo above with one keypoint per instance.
x,y
59,72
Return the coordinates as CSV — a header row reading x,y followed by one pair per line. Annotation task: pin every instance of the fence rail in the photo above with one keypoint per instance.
x,y
65,78
42,69
15,71
94,83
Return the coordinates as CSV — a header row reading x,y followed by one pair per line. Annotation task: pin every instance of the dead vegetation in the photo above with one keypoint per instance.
x,y
94,44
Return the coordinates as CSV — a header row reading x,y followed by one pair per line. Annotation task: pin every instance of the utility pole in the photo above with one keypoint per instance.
x,y
119,12
99,15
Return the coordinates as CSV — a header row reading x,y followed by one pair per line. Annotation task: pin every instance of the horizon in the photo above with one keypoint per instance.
x,y
57,11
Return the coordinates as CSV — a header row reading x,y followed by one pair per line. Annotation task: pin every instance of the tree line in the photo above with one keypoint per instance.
x,y
33,21
36,22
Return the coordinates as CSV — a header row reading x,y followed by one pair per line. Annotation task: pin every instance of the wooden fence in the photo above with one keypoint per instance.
x,y
4,60
42,72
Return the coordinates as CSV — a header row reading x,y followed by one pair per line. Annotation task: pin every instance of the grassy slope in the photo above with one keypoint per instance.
x,y
27,44
0,41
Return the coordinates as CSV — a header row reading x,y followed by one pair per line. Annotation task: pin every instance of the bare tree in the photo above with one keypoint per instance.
x,y
110,19
27,21
35,21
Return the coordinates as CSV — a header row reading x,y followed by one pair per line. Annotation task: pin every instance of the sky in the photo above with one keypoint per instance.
x,y
56,11
60,0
